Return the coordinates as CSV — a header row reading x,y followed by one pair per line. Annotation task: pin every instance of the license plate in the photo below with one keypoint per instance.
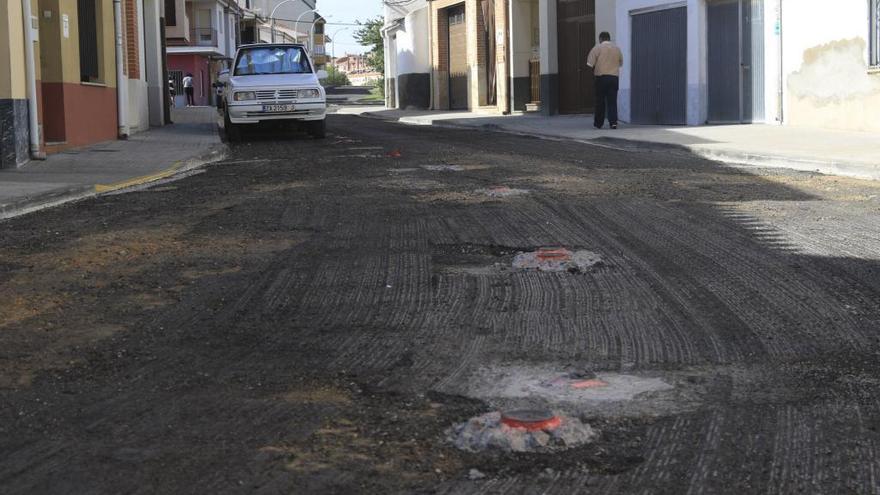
x,y
277,108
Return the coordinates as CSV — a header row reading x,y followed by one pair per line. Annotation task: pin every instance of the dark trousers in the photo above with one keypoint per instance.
x,y
606,99
190,96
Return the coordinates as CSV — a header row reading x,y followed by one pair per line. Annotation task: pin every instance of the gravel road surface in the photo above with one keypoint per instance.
x,y
314,316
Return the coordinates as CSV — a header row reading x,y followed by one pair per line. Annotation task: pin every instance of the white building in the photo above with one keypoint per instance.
x,y
293,17
687,62
408,55
725,61
202,36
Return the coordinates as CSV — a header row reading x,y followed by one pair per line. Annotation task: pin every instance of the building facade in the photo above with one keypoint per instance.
x,y
202,36
70,84
14,132
690,62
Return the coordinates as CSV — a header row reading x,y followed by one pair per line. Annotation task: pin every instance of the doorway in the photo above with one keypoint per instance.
x,y
659,67
576,30
458,58
736,61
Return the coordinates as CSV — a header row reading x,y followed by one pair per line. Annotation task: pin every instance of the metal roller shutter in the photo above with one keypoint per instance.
x,y
659,67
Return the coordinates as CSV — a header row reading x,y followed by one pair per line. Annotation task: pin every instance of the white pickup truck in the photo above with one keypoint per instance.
x,y
272,82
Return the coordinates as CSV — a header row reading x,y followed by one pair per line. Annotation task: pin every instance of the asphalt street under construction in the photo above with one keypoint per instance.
x,y
314,316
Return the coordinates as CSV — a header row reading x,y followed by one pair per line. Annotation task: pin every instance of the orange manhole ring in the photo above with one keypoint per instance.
x,y
553,254
594,383
531,419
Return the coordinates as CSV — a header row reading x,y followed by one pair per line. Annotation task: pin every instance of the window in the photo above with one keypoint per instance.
x,y
456,15
874,52
89,66
272,61
170,12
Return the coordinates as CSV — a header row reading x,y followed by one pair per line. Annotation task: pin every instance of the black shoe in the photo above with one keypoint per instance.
x,y
614,126
597,126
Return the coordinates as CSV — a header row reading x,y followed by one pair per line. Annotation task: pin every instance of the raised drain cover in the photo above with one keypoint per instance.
x,y
443,168
502,192
521,431
556,259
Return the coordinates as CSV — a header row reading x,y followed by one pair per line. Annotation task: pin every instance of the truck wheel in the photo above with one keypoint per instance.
x,y
233,132
318,129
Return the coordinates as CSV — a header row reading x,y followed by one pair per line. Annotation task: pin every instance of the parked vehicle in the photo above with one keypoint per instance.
x,y
274,82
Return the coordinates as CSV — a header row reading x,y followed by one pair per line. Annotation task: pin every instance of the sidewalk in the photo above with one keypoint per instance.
x,y
850,154
145,157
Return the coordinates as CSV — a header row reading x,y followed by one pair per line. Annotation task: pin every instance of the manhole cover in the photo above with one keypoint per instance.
x,y
556,259
520,431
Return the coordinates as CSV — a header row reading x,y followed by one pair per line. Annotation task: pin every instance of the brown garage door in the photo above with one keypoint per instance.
x,y
576,28
458,65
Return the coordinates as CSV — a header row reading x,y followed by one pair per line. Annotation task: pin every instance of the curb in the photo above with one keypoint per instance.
x,y
57,197
215,154
737,158
45,200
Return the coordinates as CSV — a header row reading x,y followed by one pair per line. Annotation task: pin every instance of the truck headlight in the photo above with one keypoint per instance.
x,y
245,95
309,93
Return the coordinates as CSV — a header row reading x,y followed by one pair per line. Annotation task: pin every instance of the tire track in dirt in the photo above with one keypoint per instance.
x,y
757,285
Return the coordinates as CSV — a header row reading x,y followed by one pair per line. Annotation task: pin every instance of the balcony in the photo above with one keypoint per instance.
x,y
202,37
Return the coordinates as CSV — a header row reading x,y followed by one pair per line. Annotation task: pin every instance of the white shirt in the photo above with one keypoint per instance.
x,y
187,82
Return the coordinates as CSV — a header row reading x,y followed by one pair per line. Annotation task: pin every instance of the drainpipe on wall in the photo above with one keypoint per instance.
x,y
780,104
508,53
121,82
431,57
511,64
31,80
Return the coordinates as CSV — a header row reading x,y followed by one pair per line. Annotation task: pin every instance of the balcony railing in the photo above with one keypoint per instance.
x,y
203,37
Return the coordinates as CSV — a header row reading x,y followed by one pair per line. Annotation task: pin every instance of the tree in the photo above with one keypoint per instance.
x,y
370,34
335,78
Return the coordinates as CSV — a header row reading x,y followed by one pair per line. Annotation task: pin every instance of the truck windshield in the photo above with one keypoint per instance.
x,y
272,60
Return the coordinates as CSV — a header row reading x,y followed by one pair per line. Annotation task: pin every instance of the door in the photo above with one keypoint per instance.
x,y
576,30
458,56
736,61
659,67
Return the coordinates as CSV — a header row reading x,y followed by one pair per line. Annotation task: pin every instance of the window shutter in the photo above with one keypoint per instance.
x,y
170,13
88,40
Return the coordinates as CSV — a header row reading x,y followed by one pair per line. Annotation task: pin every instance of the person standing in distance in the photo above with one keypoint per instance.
x,y
188,89
606,59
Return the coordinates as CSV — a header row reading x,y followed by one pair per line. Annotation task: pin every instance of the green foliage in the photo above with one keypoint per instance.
x,y
370,34
335,78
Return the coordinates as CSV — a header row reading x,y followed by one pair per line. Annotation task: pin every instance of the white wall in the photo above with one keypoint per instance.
x,y
521,36
181,29
606,17
825,64
138,95
152,62
413,49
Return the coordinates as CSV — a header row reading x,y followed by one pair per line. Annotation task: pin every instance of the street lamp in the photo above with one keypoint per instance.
x,y
296,25
312,31
272,15
333,40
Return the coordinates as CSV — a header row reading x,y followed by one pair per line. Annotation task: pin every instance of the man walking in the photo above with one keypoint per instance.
x,y
606,60
189,90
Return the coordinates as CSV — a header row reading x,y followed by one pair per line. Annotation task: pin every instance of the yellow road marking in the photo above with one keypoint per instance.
x,y
102,188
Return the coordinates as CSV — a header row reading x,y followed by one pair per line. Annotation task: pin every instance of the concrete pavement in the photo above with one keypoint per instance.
x,y
145,157
850,154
